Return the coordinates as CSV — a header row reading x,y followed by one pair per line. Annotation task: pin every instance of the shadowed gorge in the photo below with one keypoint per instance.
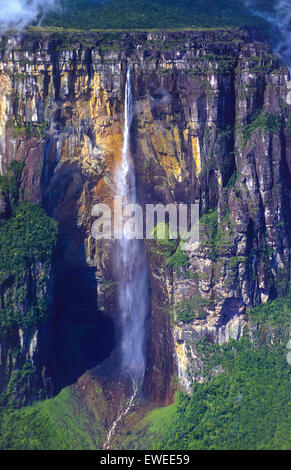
x,y
83,337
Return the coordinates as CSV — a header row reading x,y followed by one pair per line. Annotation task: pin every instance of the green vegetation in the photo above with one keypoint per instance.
x,y
247,406
225,235
275,314
232,181
179,259
27,242
262,121
10,182
19,381
26,238
165,245
235,260
208,226
29,236
30,129
218,237
149,14
63,422
191,309
169,249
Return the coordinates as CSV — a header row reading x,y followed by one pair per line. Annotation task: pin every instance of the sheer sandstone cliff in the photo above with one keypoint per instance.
x,y
211,125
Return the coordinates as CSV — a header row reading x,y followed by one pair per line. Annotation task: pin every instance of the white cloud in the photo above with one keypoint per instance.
x,y
19,13
281,24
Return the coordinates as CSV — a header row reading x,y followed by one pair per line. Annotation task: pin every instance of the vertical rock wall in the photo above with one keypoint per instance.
x,y
211,125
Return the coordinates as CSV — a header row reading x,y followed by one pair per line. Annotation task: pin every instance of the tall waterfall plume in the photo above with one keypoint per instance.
x,y
130,264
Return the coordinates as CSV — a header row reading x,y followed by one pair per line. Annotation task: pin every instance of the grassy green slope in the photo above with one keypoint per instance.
x,y
149,14
64,422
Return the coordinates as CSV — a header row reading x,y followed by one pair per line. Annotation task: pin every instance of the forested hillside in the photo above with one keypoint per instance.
x,y
136,14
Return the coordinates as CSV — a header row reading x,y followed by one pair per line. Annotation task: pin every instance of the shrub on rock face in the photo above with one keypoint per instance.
x,y
191,309
27,237
27,242
263,122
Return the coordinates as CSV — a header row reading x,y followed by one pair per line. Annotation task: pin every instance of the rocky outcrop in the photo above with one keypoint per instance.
x,y
211,125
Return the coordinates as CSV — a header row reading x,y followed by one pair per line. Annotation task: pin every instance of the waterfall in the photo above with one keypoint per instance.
x,y
130,264
131,277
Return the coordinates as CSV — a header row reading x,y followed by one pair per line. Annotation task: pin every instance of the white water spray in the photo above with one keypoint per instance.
x,y
121,415
131,276
130,264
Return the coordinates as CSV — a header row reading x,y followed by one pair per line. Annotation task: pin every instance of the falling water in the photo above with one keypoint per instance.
x,y
130,265
120,416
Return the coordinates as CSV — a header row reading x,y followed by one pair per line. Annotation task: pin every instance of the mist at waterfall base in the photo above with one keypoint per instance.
x,y
20,13
280,20
131,266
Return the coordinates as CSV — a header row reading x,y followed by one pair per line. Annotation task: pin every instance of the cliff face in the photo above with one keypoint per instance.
x,y
24,352
211,125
